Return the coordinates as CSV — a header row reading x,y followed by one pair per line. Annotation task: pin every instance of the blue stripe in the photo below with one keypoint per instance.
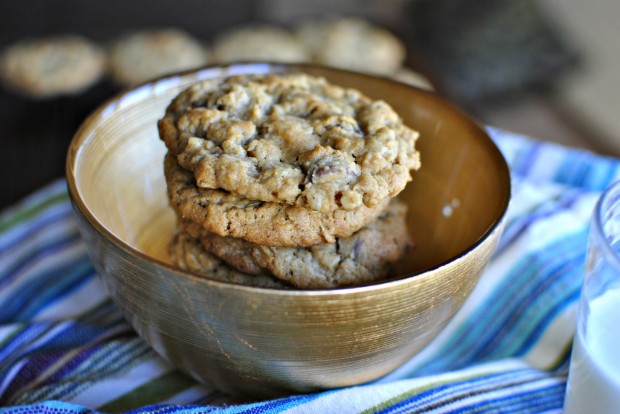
x,y
107,358
526,159
464,389
279,405
433,396
491,319
517,225
582,168
51,286
71,336
49,407
26,340
513,321
565,301
545,398
41,252
104,361
37,225
604,175
26,336
527,311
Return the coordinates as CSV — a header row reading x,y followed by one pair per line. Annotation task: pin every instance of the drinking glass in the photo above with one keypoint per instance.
x,y
594,374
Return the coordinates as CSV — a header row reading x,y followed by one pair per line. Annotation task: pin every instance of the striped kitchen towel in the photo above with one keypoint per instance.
x,y
65,348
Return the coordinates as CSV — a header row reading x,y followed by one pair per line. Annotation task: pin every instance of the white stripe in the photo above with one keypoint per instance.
x,y
539,234
554,340
190,395
496,394
82,371
110,388
8,329
356,399
88,296
491,277
52,231
547,164
56,187
35,268
6,381
18,229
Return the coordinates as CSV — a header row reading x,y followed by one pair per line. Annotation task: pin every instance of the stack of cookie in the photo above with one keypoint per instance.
x,y
286,180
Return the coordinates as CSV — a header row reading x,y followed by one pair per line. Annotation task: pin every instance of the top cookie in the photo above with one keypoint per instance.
x,y
52,66
291,139
353,43
140,56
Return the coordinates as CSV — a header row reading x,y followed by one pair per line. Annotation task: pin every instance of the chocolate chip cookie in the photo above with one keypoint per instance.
x,y
260,42
271,224
48,67
363,258
141,56
291,140
188,254
353,43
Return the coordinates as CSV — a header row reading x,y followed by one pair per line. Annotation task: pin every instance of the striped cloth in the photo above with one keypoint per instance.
x,y
64,347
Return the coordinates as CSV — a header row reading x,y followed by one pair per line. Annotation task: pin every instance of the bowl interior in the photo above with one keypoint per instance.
x,y
458,196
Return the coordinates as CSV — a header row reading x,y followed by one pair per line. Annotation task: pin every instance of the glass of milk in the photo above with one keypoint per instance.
x,y
594,374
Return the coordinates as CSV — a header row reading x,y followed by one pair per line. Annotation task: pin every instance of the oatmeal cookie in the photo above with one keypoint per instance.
x,y
291,139
364,257
140,56
353,43
53,66
261,42
271,224
188,254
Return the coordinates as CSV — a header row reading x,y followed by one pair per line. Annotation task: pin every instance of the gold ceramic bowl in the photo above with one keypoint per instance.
x,y
264,342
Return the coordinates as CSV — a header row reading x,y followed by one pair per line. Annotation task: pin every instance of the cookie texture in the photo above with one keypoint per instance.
x,y
291,139
188,254
272,224
364,257
259,42
48,67
141,56
353,43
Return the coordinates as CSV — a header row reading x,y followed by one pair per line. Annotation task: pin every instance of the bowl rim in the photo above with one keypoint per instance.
x,y
261,67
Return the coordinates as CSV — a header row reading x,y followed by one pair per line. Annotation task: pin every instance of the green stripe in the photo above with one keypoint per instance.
x,y
153,392
398,398
13,217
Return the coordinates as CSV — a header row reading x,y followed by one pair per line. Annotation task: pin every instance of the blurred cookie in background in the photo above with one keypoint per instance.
x,y
144,55
353,43
53,66
260,42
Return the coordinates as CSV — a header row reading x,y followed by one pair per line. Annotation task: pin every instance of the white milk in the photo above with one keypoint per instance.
x,y
594,383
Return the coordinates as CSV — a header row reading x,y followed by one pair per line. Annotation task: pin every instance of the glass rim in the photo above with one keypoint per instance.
x,y
613,256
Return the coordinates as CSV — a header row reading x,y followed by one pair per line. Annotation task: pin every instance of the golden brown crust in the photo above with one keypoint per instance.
x,y
188,254
291,139
269,224
364,257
